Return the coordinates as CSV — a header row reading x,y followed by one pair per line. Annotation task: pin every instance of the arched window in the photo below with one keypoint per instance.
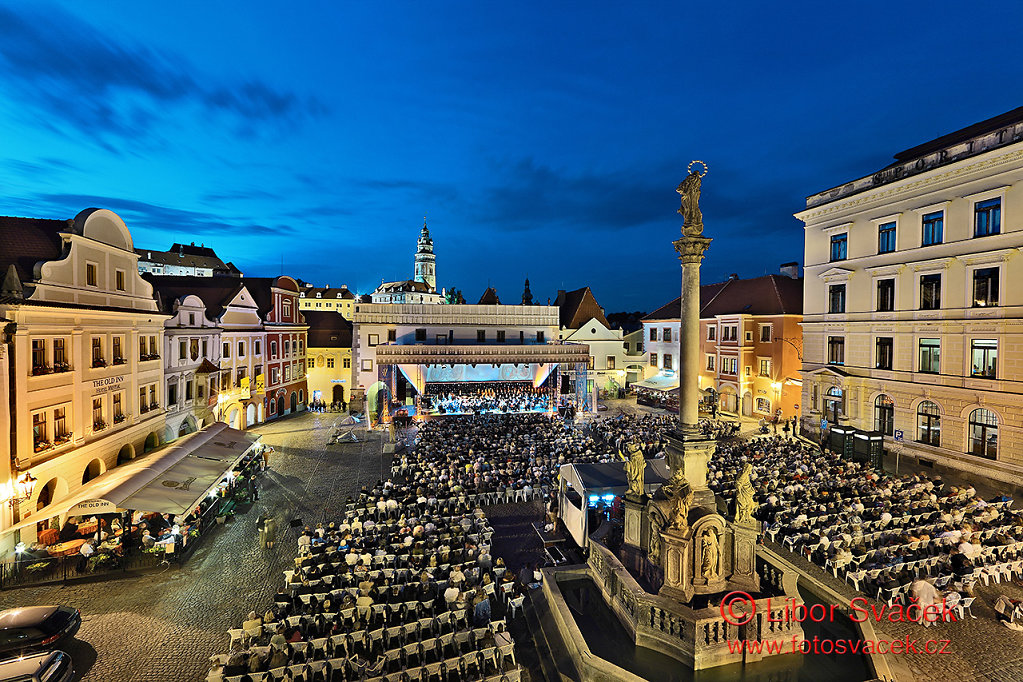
x,y
984,433
884,414
928,424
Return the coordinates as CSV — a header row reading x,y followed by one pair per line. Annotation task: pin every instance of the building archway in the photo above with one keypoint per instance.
x,y
729,400
338,393
95,468
126,453
280,406
294,402
747,404
234,418
259,413
187,426
152,442
250,415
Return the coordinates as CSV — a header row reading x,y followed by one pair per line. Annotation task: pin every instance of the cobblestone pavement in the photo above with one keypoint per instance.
x,y
165,626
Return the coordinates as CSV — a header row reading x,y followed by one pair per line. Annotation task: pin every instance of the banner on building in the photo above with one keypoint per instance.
x,y
260,383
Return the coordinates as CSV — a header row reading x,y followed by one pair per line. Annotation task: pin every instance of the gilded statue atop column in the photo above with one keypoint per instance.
x,y
689,188
635,466
745,504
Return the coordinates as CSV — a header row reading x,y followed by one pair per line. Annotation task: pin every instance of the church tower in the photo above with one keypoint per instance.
x,y
426,261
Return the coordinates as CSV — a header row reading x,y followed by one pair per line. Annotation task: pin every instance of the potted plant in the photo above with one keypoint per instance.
x,y
120,361
38,370
99,362
62,438
41,444
61,367
99,425
118,418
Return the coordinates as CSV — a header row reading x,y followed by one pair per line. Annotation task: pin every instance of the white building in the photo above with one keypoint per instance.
x,y
422,288
913,309
581,320
185,260
85,351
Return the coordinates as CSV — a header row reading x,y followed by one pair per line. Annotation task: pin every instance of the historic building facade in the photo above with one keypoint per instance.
x,y
422,288
913,326
285,331
185,260
327,299
582,320
85,345
750,343
328,357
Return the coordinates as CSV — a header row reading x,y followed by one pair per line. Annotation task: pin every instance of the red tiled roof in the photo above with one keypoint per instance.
x,y
576,308
767,295
27,241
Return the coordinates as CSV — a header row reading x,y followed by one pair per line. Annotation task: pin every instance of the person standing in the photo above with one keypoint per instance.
x,y
270,531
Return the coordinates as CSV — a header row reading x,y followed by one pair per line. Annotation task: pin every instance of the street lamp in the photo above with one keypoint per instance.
x,y
22,489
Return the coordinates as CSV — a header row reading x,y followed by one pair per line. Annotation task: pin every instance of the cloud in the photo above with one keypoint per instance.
x,y
64,68
153,218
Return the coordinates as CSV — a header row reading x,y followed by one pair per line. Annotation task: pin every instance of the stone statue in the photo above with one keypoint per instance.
x,y
745,505
689,188
709,546
681,503
656,526
635,466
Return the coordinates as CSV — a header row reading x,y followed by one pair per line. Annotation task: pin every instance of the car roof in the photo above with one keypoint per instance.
x,y
25,616
26,665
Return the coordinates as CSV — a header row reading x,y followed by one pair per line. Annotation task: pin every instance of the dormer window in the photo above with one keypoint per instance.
x,y
319,295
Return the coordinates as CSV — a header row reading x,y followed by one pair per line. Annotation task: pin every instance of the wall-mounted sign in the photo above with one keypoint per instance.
x,y
108,384
90,507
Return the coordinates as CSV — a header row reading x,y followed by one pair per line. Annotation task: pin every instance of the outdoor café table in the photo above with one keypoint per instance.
x,y
88,528
65,548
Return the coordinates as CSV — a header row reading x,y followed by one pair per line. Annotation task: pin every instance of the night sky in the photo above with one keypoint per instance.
x,y
540,138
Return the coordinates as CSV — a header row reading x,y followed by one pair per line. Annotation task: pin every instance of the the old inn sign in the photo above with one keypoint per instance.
x,y
107,384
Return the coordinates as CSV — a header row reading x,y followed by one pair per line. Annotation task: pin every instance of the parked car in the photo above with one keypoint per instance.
x,y
54,666
37,628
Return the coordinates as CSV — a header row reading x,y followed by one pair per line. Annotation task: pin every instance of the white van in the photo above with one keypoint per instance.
x,y
54,666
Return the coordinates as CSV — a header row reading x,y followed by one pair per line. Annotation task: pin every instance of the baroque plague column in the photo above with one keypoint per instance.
x,y
678,527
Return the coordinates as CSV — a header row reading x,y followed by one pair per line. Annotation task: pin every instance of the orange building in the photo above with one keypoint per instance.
x,y
751,342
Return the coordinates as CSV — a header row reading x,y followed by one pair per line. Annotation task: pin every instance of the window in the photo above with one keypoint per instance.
x,y
392,335
836,350
765,367
188,390
287,372
59,354
983,358
610,362
749,370
242,373
346,363
984,433
226,351
275,375
420,335
749,336
500,336
286,304
589,363
119,280
729,365
933,228
667,361
765,333
710,363
172,393
711,332
90,274
884,352
367,365
481,336
273,350
836,298
287,347
667,334
985,287
540,337
143,405
38,354
839,243
884,414
257,347
152,397
241,349
191,319
639,346
653,359
886,238
374,340
763,405
653,333
930,292
330,363
97,352
930,356
885,295
60,423
182,349
39,428
206,348
118,409
987,217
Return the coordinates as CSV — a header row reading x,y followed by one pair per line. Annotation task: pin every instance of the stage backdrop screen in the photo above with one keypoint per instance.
x,y
504,372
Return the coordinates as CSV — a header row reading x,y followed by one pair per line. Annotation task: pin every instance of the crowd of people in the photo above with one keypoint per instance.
x,y
891,536
477,398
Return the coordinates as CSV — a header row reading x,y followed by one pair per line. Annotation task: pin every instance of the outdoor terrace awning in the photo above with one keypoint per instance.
x,y
658,382
172,480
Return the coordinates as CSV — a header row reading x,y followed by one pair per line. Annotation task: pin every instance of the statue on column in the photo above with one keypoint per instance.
x,y
689,188
745,504
635,466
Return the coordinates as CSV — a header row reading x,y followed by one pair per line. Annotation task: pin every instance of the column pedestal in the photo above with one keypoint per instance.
x,y
676,560
636,522
692,452
744,551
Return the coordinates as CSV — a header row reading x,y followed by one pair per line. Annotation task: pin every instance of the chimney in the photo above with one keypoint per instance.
x,y
790,270
733,276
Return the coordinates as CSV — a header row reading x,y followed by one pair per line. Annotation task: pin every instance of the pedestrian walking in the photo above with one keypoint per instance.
x,y
254,488
270,530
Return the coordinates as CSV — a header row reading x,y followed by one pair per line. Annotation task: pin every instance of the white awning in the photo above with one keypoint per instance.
x,y
172,480
658,382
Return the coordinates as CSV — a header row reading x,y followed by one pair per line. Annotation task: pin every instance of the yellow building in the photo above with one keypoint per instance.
x,y
327,299
912,303
328,357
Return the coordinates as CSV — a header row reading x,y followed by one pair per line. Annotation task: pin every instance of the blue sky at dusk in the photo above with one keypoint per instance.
x,y
540,139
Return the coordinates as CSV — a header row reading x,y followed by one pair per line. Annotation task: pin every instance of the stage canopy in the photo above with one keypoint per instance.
x,y
497,354
658,382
